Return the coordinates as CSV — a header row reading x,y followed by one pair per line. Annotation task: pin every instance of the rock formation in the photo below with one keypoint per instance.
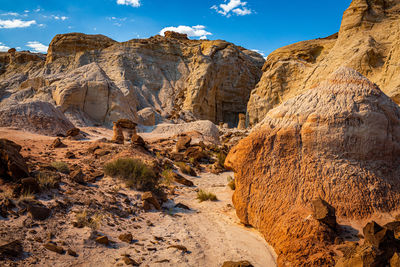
x,y
93,79
338,141
368,41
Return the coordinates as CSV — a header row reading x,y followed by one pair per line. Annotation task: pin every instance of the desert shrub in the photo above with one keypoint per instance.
x,y
205,196
186,169
61,166
83,219
133,172
221,156
231,183
48,180
167,175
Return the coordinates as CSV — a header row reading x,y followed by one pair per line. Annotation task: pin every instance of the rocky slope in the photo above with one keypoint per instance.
x,y
339,141
368,41
95,80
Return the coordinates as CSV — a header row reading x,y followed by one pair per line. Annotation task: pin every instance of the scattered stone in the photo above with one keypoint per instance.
x,y
102,240
53,247
73,132
149,200
180,179
196,153
70,155
72,253
57,143
127,238
180,247
128,261
12,164
237,264
37,212
324,212
183,143
182,206
137,141
77,176
101,152
11,249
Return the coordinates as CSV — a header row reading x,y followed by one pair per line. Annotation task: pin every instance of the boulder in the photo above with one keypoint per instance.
x,y
118,134
11,249
180,179
53,247
242,122
127,238
102,240
183,143
77,176
149,200
126,123
39,212
340,136
324,212
37,116
57,143
12,164
73,132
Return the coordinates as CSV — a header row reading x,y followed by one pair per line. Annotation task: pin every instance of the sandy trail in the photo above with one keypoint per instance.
x,y
210,231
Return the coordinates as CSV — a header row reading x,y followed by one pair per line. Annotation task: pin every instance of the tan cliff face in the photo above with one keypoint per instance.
x,y
93,79
339,141
368,41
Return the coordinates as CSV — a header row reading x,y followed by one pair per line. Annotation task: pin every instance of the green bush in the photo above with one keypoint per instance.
x,y
133,172
204,196
221,156
48,180
61,166
231,183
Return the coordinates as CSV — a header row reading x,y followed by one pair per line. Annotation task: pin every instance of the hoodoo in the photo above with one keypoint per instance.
x,y
339,141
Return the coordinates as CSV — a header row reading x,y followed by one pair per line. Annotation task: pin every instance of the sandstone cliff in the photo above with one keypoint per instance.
x,y
93,79
339,141
368,41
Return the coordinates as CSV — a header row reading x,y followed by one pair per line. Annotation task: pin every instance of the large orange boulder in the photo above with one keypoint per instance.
x,y
339,141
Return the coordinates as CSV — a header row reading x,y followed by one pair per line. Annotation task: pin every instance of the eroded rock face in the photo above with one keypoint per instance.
x,y
368,41
96,80
339,137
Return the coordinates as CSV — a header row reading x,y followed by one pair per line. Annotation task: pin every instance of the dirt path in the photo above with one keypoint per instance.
x,y
212,232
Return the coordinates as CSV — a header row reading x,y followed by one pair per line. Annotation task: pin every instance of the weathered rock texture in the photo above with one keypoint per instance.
x,y
339,141
368,41
93,79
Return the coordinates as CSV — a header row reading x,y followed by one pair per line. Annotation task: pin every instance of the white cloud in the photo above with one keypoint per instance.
x,y
59,17
194,31
233,7
134,3
15,23
3,47
15,14
37,47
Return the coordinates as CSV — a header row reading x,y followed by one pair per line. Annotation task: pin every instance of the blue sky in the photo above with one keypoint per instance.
x,y
254,24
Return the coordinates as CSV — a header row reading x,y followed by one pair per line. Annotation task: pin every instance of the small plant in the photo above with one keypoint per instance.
x,y
133,172
206,196
27,197
83,219
186,169
221,156
48,180
231,183
61,166
192,161
167,177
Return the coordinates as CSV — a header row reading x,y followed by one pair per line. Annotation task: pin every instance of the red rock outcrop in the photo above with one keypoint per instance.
x,y
339,141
